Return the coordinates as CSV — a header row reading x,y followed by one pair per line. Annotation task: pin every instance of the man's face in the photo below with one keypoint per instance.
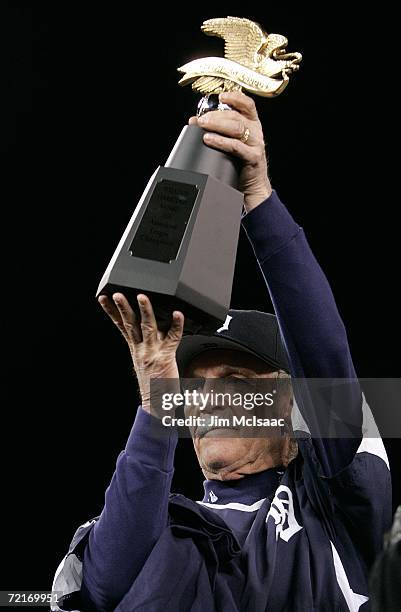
x,y
230,456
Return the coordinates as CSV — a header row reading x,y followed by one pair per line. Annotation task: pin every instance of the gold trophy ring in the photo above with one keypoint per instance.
x,y
245,135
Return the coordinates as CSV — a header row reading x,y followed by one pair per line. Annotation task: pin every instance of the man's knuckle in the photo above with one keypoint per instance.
x,y
236,146
254,158
250,103
239,128
258,154
217,140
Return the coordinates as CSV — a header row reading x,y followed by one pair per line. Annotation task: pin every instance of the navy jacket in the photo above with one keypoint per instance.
x,y
296,539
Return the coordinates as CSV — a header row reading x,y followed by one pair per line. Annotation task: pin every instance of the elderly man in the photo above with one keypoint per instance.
x,y
285,524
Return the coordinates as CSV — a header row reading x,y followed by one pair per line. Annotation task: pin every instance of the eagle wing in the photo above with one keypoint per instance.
x,y
243,38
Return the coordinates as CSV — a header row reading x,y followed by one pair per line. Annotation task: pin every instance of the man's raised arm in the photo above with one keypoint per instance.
x,y
136,502
312,329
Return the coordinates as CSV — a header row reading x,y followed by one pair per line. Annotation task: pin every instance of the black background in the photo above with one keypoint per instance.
x,y
92,108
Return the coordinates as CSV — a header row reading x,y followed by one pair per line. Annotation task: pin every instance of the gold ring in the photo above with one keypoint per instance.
x,y
245,135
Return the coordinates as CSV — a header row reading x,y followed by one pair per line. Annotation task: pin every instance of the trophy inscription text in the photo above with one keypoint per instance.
x,y
163,225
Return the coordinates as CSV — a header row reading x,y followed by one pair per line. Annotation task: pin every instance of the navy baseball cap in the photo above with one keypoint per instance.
x,y
250,331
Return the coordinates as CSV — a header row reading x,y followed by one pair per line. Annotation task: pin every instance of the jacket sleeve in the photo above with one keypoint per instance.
x,y
67,580
134,515
346,473
311,327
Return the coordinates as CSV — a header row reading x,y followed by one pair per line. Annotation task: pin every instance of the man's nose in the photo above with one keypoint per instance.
x,y
208,384
213,402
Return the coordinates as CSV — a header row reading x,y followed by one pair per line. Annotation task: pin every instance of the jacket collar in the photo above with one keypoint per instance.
x,y
247,490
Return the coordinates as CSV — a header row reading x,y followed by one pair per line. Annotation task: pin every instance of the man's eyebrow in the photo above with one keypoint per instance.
x,y
226,368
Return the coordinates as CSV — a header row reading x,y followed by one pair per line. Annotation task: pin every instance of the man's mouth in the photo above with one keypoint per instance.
x,y
212,426
210,431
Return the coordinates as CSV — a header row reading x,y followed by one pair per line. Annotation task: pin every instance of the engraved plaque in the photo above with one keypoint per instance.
x,y
163,225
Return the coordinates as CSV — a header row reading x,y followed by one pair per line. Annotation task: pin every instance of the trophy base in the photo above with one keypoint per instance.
x,y
196,321
180,245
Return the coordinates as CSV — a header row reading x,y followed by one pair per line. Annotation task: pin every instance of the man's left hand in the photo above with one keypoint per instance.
x,y
224,130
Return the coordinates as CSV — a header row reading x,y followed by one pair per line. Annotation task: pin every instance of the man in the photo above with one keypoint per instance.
x,y
283,525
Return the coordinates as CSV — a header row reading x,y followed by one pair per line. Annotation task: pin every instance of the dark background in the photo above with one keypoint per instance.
x,y
92,108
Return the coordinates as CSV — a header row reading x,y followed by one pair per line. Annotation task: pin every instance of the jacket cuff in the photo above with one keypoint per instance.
x,y
269,227
151,442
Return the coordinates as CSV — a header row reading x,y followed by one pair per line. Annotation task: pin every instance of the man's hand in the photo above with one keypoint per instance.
x,y
152,351
224,130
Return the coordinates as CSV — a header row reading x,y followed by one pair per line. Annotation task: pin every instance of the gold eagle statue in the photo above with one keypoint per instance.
x,y
254,60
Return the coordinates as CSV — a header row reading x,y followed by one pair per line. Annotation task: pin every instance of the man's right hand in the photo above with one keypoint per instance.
x,y
152,351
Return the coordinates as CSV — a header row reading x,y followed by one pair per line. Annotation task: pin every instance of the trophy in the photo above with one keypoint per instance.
x,y
180,244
